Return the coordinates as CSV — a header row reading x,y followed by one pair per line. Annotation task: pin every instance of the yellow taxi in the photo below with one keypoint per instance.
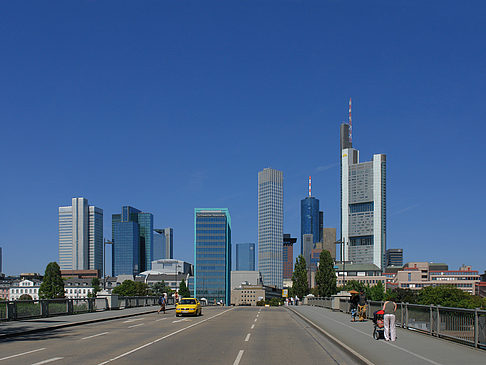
x,y
188,306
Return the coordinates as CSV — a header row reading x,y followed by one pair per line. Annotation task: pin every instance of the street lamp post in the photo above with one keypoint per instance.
x,y
342,243
105,242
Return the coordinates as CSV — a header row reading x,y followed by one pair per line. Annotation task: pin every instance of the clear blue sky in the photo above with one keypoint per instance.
x,y
172,105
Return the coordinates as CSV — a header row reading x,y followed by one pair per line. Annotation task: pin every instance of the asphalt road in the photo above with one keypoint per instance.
x,y
235,335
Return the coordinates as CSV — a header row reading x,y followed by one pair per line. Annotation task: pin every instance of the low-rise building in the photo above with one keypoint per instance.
x,y
368,274
239,278
21,287
251,294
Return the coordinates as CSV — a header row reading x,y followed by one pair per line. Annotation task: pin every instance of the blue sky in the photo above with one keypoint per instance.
x,y
172,105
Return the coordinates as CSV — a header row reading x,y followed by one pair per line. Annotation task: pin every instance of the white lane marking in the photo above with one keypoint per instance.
x,y
161,319
99,334
255,319
163,338
180,320
238,358
257,315
135,325
49,360
386,343
252,326
247,337
133,320
23,353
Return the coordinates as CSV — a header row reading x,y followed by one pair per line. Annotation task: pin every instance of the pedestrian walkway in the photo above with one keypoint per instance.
x,y
22,327
410,348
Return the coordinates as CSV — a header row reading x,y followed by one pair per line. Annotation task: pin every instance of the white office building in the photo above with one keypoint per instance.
x,y
80,236
363,206
270,226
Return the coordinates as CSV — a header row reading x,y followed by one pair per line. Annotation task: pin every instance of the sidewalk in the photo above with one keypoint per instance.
x,y
410,348
22,327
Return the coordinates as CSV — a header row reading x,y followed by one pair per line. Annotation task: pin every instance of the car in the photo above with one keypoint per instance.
x,y
188,306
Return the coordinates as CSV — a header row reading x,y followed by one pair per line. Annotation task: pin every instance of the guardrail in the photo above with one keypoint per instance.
x,y
27,309
467,326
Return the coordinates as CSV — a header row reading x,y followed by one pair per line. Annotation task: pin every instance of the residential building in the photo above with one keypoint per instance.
x,y
239,278
132,233
394,257
270,226
21,287
363,205
251,294
288,256
212,254
368,274
245,256
80,236
163,243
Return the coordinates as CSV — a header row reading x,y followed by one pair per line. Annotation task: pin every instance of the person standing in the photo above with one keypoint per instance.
x,y
390,307
362,306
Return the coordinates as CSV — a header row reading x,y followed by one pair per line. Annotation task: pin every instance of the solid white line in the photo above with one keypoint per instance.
x,y
238,358
133,320
99,334
387,342
135,325
162,319
252,326
49,360
23,353
163,338
247,337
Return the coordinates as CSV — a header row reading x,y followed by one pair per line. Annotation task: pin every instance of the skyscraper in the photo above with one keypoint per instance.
x,y
393,257
163,243
363,204
132,233
310,222
1,260
270,226
245,257
288,255
212,254
80,236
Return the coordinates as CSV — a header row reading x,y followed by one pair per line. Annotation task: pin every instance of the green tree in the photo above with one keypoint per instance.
x,y
52,286
184,290
300,286
356,285
95,284
160,288
25,297
325,275
130,288
449,296
399,295
376,292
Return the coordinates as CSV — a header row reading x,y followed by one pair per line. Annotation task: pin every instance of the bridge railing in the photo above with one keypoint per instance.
x,y
463,325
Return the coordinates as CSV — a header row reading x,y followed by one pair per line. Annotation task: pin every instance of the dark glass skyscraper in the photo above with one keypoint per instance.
x,y
132,233
245,257
212,254
288,255
310,222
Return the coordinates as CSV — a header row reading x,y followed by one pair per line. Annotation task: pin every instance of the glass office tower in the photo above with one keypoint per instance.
x,y
310,221
212,254
163,243
132,233
245,257
270,226
288,255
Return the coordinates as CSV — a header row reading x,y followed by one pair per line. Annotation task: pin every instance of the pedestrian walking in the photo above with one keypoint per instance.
x,y
162,302
390,307
362,306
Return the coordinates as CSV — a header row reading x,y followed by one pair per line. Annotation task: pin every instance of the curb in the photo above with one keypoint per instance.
x,y
358,357
56,327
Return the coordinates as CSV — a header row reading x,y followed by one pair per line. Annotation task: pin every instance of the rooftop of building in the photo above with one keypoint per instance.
x,y
356,267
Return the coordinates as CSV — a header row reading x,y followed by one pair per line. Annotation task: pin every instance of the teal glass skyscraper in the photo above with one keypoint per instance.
x,y
212,254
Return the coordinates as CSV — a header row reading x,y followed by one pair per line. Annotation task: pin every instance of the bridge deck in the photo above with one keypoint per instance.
x,y
410,348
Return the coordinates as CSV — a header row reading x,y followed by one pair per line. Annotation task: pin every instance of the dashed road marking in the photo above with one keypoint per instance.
x,y
135,325
49,360
161,319
238,358
99,334
133,320
252,326
247,337
255,319
180,320
23,353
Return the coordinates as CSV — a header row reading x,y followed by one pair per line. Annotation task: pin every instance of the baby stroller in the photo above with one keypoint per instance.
x,y
379,324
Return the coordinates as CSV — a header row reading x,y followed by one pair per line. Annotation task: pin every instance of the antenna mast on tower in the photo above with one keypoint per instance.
x,y
310,186
350,124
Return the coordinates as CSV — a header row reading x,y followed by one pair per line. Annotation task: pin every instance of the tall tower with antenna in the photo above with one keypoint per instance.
x,y
350,124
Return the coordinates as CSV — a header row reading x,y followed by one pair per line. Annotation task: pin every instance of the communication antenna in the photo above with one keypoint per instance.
x,y
310,186
350,124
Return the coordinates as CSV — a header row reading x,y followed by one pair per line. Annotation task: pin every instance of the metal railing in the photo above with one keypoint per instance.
x,y
467,326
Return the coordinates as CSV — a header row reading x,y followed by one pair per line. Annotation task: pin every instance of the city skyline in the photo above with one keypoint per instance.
x,y
217,102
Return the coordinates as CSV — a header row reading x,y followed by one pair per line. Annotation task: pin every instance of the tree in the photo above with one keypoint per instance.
x,y
130,288
53,285
357,286
25,297
325,275
160,288
300,286
376,292
95,284
449,296
399,295
184,290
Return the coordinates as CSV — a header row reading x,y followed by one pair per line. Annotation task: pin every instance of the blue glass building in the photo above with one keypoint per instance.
x,y
212,254
132,233
310,221
245,257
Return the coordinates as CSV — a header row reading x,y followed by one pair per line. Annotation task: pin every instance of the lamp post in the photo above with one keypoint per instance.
x,y
105,242
342,243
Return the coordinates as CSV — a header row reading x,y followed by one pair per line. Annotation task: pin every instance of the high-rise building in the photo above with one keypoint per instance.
x,y
163,243
133,237
394,257
363,205
80,236
270,226
212,254
310,222
245,257
288,255
1,260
